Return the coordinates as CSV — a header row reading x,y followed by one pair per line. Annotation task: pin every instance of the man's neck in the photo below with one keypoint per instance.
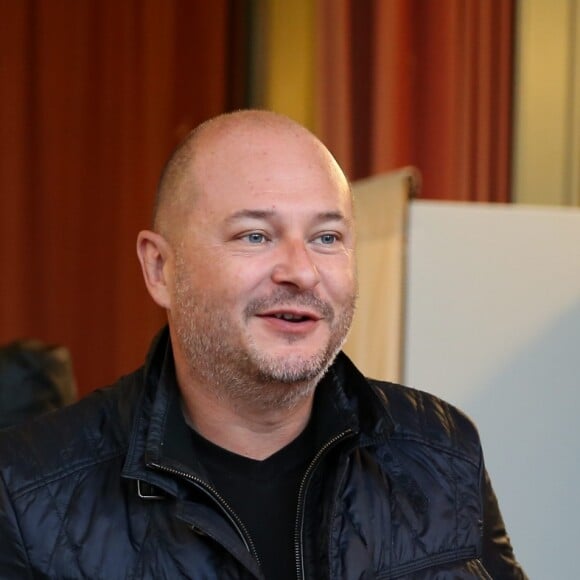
x,y
239,427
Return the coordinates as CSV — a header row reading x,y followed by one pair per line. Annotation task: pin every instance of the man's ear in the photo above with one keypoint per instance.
x,y
154,252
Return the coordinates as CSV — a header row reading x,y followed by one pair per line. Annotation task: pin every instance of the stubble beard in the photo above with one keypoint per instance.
x,y
243,374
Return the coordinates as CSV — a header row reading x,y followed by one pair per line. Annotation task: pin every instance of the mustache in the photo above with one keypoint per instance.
x,y
288,298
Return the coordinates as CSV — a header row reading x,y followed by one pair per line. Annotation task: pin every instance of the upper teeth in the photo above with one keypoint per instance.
x,y
288,316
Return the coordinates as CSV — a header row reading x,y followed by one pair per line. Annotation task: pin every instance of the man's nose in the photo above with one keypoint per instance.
x,y
295,266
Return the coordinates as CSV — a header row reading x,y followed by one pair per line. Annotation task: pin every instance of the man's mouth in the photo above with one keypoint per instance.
x,y
289,309
291,316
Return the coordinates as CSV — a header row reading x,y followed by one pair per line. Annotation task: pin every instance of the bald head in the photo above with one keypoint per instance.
x,y
226,137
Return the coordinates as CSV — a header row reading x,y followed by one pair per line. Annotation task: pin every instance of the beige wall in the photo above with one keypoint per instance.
x,y
546,159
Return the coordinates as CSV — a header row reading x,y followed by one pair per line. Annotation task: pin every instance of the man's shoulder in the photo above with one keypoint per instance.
x,y
422,418
64,442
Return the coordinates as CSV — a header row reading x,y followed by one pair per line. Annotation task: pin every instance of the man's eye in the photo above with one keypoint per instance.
x,y
255,238
328,239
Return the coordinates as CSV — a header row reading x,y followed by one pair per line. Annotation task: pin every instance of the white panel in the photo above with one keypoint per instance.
x,y
493,326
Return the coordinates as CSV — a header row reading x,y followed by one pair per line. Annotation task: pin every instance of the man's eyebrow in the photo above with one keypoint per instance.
x,y
329,216
264,214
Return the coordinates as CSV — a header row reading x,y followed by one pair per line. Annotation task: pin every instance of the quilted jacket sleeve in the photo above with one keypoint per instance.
x,y
13,557
498,556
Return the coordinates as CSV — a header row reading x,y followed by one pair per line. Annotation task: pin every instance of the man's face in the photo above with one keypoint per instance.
x,y
264,278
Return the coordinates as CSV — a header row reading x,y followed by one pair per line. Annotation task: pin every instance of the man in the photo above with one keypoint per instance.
x,y
248,446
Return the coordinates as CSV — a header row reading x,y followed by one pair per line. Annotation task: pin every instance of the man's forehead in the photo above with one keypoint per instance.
x,y
259,157
233,136
312,205
266,174
274,212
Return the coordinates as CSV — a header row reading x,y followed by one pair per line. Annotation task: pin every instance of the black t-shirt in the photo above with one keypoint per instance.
x,y
264,495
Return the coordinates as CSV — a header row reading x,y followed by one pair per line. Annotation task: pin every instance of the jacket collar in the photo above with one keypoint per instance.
x,y
160,437
150,420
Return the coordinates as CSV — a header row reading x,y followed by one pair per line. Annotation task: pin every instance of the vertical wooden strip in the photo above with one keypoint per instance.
x,y
573,176
258,50
394,74
237,70
17,287
333,120
503,105
362,82
290,72
486,85
435,152
467,95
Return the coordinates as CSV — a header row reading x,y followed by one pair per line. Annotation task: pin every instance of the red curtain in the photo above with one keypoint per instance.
x,y
419,82
94,96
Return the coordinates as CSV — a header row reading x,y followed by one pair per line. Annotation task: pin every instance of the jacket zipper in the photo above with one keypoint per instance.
x,y
221,502
298,548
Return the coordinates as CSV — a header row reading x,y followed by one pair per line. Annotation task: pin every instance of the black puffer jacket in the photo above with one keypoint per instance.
x,y
397,490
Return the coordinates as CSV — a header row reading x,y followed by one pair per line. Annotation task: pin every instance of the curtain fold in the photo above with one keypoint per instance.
x,y
419,83
333,103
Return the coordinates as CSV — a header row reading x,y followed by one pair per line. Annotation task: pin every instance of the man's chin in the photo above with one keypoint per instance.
x,y
288,369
